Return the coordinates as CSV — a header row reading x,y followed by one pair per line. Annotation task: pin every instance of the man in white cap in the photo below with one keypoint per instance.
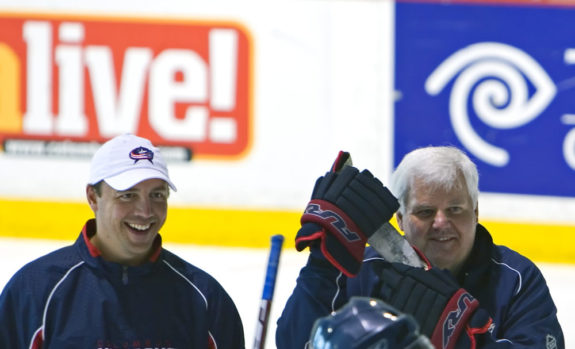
x,y
116,287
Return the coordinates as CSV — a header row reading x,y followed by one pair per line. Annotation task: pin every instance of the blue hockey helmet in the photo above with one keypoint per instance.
x,y
367,323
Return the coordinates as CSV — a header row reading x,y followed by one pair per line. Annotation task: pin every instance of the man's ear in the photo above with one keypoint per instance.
x,y
92,197
477,213
399,219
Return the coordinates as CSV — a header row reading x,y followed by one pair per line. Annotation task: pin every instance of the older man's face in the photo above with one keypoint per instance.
x,y
441,223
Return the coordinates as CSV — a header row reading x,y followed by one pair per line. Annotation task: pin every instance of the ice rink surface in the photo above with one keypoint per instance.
x,y
241,271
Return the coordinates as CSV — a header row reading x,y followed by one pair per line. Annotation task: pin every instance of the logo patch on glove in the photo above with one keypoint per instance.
x,y
452,319
334,219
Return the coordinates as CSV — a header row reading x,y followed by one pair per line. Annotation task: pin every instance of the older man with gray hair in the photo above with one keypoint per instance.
x,y
473,293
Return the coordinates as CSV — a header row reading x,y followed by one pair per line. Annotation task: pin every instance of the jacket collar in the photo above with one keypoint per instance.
x,y
478,261
89,231
115,271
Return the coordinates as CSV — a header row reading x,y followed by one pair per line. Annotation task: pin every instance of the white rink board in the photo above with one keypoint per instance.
x,y
322,82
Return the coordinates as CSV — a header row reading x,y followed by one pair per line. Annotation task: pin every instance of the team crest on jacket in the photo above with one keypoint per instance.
x,y
142,153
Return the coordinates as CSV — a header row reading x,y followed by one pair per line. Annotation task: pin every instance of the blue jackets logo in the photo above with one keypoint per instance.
x,y
487,79
142,153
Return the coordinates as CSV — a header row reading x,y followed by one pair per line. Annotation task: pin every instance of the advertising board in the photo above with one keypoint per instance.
x,y
496,81
251,101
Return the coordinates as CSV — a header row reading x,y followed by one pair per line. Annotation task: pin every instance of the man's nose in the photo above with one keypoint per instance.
x,y
440,220
144,207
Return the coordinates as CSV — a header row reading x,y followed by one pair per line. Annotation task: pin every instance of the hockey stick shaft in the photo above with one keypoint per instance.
x,y
268,291
392,246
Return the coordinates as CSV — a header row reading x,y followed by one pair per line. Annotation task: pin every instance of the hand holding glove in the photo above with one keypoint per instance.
x,y
447,314
346,208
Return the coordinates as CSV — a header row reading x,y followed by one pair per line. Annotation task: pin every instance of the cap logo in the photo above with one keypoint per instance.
x,y
142,153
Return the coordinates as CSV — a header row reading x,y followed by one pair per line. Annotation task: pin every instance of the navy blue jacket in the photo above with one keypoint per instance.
x,y
507,285
72,298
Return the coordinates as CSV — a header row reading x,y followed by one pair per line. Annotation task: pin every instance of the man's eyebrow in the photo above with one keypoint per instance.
x,y
457,201
134,189
422,204
164,189
422,207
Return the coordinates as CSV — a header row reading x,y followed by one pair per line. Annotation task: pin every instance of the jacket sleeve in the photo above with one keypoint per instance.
x,y
20,319
320,289
8,320
531,317
225,325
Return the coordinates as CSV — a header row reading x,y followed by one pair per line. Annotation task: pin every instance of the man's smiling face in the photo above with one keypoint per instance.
x,y
128,221
441,222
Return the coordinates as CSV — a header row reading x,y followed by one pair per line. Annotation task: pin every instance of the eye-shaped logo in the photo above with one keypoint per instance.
x,y
493,77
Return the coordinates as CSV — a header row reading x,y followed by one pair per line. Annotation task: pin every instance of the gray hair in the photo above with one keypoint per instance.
x,y
435,165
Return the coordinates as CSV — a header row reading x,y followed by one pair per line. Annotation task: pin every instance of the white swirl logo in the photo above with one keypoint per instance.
x,y
493,75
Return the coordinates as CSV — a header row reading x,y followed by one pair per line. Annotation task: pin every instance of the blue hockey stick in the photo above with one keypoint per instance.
x,y
268,292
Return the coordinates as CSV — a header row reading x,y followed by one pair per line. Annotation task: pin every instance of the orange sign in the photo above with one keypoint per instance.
x,y
183,84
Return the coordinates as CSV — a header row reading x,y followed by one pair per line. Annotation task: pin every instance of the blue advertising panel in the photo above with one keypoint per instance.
x,y
498,82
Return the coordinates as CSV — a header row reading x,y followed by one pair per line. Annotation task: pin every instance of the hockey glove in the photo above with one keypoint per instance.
x,y
447,314
346,208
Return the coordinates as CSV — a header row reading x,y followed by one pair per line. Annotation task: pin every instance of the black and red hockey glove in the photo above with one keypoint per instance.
x,y
447,313
346,208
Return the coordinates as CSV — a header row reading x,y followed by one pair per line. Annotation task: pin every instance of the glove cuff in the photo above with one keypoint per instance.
x,y
453,319
321,243
331,218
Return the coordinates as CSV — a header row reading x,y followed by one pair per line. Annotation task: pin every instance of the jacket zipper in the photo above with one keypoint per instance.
x,y
125,275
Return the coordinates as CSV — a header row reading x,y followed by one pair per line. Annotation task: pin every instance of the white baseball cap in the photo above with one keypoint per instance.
x,y
127,160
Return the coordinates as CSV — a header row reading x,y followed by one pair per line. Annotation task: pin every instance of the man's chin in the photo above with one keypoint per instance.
x,y
142,241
